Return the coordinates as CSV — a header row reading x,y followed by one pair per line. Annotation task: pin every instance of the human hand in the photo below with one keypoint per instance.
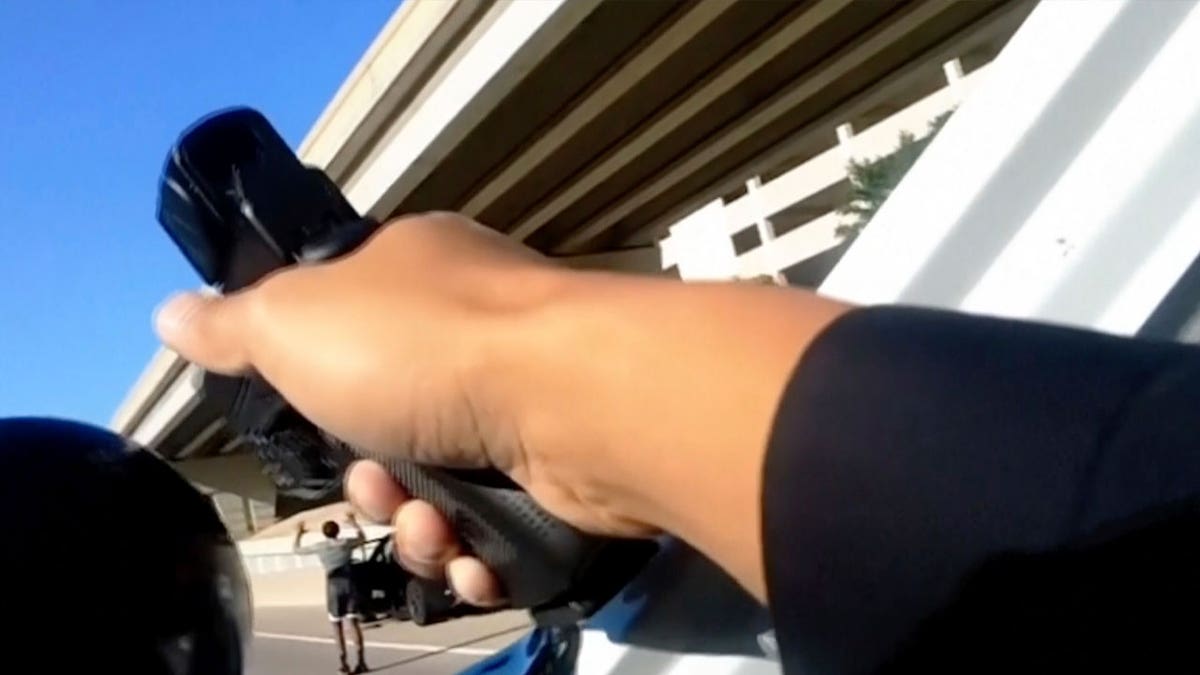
x,y
404,348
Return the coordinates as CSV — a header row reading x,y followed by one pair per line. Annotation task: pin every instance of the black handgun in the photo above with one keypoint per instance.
x,y
239,205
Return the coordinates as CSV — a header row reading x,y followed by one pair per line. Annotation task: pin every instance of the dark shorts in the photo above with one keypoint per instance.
x,y
341,598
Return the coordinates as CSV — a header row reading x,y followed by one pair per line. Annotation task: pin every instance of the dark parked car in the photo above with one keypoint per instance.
x,y
388,591
381,581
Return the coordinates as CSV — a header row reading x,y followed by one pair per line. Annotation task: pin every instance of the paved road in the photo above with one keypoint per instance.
x,y
280,657
298,640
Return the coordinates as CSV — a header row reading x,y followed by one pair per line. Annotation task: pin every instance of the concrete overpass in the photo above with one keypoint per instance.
x,y
588,128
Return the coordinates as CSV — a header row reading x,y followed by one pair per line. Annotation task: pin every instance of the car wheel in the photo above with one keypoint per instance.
x,y
429,602
400,613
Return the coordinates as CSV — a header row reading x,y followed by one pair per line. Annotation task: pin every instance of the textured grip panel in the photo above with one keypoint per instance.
x,y
537,557
534,554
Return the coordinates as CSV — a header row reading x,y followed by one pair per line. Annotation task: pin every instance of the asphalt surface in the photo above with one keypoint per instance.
x,y
299,640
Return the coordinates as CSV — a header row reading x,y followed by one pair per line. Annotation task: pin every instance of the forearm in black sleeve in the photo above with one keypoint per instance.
x,y
949,492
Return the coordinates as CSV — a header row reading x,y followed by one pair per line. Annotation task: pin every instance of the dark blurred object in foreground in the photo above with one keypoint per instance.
x,y
103,537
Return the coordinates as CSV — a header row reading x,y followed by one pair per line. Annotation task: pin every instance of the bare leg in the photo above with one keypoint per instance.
x,y
341,644
358,641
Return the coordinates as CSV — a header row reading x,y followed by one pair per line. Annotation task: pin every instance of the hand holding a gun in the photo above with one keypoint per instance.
x,y
525,427
408,347
442,341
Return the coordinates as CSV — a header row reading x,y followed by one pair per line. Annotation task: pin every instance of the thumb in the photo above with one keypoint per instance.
x,y
205,330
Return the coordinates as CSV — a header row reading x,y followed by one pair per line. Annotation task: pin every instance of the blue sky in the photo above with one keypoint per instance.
x,y
94,93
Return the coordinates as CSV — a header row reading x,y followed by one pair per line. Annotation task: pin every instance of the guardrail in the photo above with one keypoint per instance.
x,y
266,556
279,562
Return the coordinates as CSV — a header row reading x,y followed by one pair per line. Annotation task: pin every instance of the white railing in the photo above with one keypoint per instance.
x,y
275,555
701,244
264,556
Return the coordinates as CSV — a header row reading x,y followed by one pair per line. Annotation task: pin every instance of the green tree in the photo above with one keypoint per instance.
x,y
872,180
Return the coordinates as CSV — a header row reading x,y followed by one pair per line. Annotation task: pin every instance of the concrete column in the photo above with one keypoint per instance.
x,y
248,512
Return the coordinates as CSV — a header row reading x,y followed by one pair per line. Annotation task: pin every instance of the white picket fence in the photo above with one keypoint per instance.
x,y
701,246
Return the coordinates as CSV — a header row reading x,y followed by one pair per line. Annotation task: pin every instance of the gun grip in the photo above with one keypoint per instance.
x,y
535,555
542,562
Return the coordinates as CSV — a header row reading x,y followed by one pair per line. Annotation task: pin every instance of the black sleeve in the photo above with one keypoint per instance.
x,y
950,493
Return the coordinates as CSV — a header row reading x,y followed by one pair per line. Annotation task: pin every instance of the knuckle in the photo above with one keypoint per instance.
x,y
265,294
445,216
260,304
